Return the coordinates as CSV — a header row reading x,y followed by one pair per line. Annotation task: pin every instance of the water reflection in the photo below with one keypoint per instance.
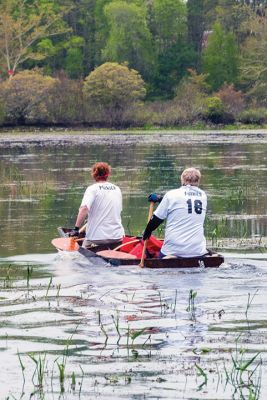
x,y
130,333
40,191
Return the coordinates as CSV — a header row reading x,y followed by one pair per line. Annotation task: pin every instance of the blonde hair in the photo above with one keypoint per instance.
x,y
191,176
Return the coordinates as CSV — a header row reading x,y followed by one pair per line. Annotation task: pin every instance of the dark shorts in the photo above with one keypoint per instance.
x,y
161,255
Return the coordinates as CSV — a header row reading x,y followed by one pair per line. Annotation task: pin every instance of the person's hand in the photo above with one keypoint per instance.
x,y
74,232
155,198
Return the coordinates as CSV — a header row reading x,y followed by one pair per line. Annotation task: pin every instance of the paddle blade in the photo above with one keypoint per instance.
x,y
116,255
65,244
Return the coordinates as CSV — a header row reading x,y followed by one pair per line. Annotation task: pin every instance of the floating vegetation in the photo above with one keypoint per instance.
x,y
16,186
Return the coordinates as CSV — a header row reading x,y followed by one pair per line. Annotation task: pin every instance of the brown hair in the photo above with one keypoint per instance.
x,y
191,176
101,171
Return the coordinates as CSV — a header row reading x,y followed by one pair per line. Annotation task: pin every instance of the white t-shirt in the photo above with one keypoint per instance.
x,y
104,203
185,210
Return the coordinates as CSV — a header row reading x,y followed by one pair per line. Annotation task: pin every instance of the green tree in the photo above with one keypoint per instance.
x,y
111,89
174,53
22,25
74,57
220,58
196,23
129,37
253,69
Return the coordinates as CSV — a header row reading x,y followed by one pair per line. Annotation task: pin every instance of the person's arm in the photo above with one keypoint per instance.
x,y
151,226
82,214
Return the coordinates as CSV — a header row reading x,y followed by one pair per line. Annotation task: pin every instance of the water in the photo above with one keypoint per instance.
x,y
131,333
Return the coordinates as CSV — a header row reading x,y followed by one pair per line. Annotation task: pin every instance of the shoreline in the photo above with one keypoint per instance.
x,y
68,137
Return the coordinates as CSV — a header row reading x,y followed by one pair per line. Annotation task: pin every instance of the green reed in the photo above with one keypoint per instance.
x,y
40,363
102,328
8,282
191,303
49,285
29,275
201,373
116,321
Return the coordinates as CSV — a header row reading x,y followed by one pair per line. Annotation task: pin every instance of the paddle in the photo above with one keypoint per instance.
x,y
68,243
118,254
142,262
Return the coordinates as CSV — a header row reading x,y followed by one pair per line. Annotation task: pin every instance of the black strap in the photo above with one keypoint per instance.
x,y
151,226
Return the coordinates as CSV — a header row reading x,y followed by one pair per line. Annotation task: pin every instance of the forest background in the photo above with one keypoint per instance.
x,y
136,63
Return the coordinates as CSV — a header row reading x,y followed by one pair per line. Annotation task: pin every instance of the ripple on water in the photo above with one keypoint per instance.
x,y
130,331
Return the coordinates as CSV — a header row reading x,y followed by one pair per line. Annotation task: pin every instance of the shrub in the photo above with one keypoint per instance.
x,y
2,113
111,90
253,116
65,102
233,100
215,110
24,97
190,97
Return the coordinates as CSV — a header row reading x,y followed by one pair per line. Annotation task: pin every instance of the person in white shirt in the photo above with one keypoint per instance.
x,y
184,210
102,204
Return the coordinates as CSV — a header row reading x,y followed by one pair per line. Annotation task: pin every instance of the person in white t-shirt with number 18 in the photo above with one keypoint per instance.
x,y
102,204
184,210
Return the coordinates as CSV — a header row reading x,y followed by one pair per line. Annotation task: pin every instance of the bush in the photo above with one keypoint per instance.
x,y
65,102
2,113
233,100
111,91
24,97
253,116
215,111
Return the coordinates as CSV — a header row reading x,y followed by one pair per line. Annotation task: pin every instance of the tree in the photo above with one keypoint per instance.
x,y
196,23
254,62
220,58
129,37
22,25
24,96
111,89
174,54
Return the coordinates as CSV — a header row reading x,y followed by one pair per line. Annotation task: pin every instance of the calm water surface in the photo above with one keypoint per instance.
x,y
126,333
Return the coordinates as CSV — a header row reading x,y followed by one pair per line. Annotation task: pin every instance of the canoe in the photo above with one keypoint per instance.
x,y
129,253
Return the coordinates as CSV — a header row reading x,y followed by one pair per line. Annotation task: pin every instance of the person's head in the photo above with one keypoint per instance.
x,y
100,171
191,176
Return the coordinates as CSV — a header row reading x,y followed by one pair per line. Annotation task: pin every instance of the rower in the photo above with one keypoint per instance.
x,y
184,210
102,205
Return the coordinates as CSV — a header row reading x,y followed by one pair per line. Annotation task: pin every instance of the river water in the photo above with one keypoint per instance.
x,y
70,330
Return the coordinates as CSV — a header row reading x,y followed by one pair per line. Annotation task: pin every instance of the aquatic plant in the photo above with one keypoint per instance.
x,y
39,371
49,285
116,323
102,328
29,275
249,302
248,385
22,366
8,283
202,373
191,303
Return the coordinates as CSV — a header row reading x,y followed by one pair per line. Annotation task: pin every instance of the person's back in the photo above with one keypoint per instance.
x,y
102,204
104,201
185,210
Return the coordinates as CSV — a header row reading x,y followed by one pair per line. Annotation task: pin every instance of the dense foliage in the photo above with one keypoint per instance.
x,y
196,60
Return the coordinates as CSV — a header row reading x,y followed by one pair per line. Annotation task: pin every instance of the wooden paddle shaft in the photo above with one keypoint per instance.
x,y
125,244
83,228
142,262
